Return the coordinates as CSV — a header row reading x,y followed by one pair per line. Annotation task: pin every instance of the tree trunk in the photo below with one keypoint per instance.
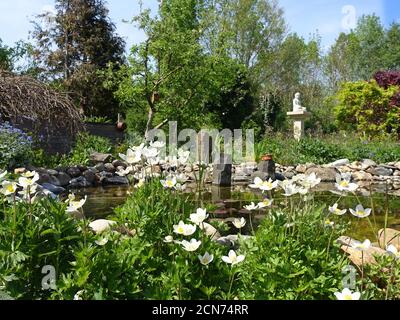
x,y
150,118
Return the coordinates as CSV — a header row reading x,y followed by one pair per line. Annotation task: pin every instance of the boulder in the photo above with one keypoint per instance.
x,y
361,176
90,176
301,168
339,163
80,182
367,163
392,237
232,240
64,179
109,167
116,180
380,171
52,172
327,174
46,178
74,172
100,167
97,157
119,163
52,188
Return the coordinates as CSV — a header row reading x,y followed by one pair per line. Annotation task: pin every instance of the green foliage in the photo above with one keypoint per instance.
x,y
366,107
321,150
104,120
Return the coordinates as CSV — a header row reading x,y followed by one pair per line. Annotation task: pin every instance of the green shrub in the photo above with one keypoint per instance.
x,y
366,107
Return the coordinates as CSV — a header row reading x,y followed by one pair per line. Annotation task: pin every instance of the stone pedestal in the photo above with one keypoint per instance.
x,y
298,118
222,171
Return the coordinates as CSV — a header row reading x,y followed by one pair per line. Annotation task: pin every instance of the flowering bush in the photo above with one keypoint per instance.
x,y
15,146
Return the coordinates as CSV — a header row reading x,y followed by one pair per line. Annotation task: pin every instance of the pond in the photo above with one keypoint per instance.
x,y
229,202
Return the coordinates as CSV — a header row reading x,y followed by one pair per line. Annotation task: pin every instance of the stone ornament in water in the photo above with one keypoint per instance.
x,y
297,103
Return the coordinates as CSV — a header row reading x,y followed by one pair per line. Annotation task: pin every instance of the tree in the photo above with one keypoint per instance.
x,y
392,54
5,57
172,76
73,46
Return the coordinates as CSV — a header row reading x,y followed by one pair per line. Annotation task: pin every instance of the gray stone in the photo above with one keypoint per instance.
x,y
82,167
74,172
100,157
46,178
109,167
80,182
222,172
116,181
361,176
100,167
90,176
52,188
380,171
367,163
119,163
339,163
188,169
267,166
52,172
64,179
396,173
325,174
232,240
210,231
301,168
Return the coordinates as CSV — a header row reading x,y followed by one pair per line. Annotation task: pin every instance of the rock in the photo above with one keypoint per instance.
x,y
392,237
188,169
100,167
52,188
80,182
361,176
289,174
358,257
64,179
380,171
240,178
74,172
222,174
97,157
301,168
19,170
396,173
119,163
210,231
267,166
109,167
325,174
52,172
82,167
90,176
116,181
258,174
101,225
221,213
339,163
367,163
46,178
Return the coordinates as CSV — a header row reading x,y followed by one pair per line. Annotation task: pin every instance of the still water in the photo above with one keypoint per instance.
x,y
229,201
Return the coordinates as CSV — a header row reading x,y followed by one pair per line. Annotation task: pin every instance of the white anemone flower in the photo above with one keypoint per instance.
x,y
251,207
185,229
257,183
335,210
206,259
150,152
392,250
8,188
269,185
28,182
233,258
346,294
345,185
289,189
199,217
328,223
168,239
76,205
265,203
360,212
191,246
239,223
361,246
169,182
28,174
78,295
311,181
131,156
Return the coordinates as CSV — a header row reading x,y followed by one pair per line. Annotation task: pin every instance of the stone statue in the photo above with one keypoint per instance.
x,y
297,103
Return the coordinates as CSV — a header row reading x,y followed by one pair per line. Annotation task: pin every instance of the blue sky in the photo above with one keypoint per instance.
x,y
303,16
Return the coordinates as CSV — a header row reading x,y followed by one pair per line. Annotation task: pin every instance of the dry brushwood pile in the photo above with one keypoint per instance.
x,y
25,97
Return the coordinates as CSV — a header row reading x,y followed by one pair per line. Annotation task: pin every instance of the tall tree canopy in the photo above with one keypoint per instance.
x,y
73,45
